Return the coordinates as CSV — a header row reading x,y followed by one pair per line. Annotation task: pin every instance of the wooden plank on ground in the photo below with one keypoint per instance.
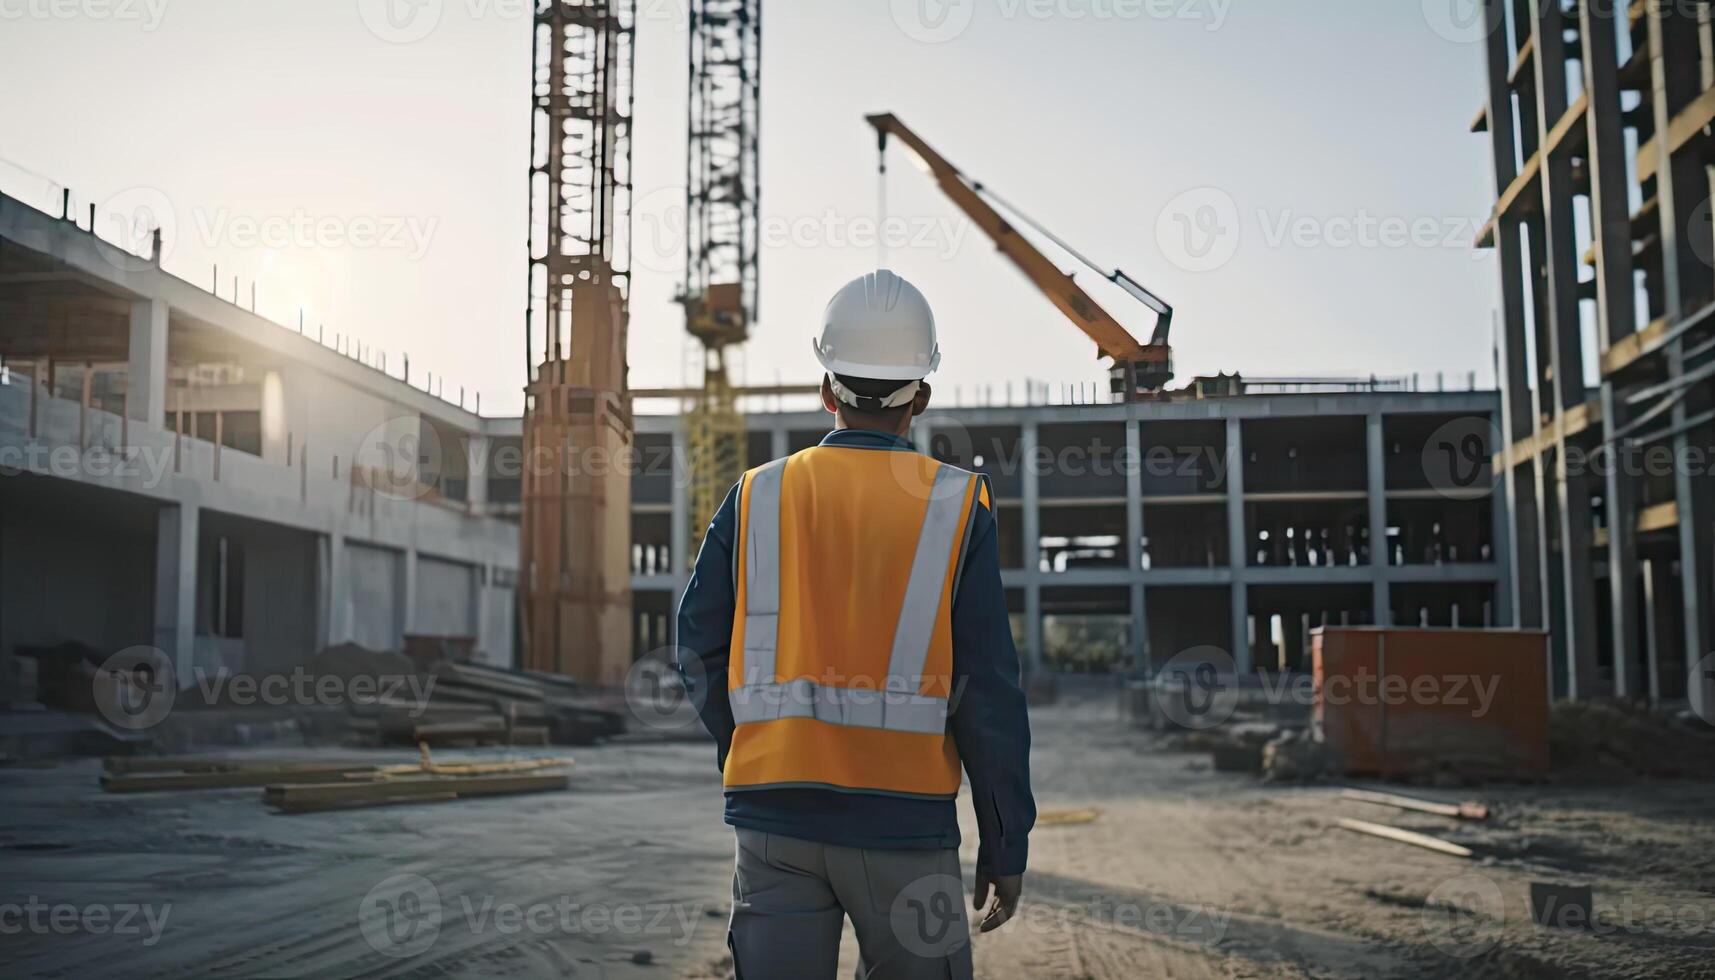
x,y
419,789
157,782
1459,811
195,763
1405,837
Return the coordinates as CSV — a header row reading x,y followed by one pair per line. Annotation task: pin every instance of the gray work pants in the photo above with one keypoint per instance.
x,y
790,898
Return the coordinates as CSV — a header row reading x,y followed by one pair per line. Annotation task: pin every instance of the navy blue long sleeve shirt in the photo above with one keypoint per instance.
x,y
988,719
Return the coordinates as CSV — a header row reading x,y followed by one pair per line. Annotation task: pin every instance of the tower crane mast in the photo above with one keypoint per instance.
x,y
723,190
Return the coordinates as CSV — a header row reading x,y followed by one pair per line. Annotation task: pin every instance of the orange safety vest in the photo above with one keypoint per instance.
x,y
841,671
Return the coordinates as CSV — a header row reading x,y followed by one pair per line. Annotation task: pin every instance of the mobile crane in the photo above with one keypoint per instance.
x,y
1139,370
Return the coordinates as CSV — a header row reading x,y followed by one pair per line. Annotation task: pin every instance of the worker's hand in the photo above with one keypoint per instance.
x,y
1007,888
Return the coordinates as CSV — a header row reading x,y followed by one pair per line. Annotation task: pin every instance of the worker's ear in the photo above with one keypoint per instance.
x,y
920,404
829,402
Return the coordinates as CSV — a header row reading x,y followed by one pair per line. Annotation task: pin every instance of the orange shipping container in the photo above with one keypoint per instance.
x,y
1409,701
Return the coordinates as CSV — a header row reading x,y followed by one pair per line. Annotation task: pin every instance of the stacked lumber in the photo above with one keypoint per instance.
x,y
298,786
469,704
123,774
304,798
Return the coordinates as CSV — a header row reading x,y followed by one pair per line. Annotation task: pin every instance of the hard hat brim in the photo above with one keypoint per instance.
x,y
880,372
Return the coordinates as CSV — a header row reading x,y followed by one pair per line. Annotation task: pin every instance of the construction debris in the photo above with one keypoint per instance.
x,y
1461,811
1405,837
1294,756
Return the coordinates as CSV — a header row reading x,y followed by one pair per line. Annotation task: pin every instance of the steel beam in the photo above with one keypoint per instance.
x,y
1563,373
1616,316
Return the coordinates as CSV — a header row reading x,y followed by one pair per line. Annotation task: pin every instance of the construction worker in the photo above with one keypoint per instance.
x,y
845,635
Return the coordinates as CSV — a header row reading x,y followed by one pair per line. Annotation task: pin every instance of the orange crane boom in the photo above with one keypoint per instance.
x,y
1148,366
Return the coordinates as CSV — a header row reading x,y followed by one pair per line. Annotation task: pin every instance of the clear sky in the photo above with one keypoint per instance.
x,y
1295,176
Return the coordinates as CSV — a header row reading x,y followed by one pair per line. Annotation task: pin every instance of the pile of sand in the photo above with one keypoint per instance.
x,y
1620,737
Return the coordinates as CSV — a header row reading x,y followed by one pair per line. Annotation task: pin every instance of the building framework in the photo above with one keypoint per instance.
x,y
1599,116
1157,530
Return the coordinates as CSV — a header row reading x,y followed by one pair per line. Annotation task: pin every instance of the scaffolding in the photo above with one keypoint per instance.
x,y
1599,116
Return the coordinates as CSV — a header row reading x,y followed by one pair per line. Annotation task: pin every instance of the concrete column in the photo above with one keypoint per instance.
x,y
1238,545
1032,502
1501,550
1375,451
1134,529
476,473
176,586
1658,623
408,591
479,607
334,590
146,380
779,446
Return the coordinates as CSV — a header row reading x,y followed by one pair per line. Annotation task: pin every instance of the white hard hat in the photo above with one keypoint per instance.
x,y
878,326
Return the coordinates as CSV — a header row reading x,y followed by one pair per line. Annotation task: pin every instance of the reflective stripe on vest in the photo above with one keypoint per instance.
x,y
897,706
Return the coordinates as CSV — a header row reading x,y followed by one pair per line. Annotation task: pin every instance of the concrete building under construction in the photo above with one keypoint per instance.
x,y
1237,521
1599,115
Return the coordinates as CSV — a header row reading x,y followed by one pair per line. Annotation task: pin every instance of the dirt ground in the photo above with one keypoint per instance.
x,y
1183,873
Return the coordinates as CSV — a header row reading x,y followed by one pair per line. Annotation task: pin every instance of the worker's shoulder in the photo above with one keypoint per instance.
x,y
922,465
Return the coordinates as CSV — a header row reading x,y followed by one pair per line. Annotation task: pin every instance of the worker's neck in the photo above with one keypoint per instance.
x,y
841,423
